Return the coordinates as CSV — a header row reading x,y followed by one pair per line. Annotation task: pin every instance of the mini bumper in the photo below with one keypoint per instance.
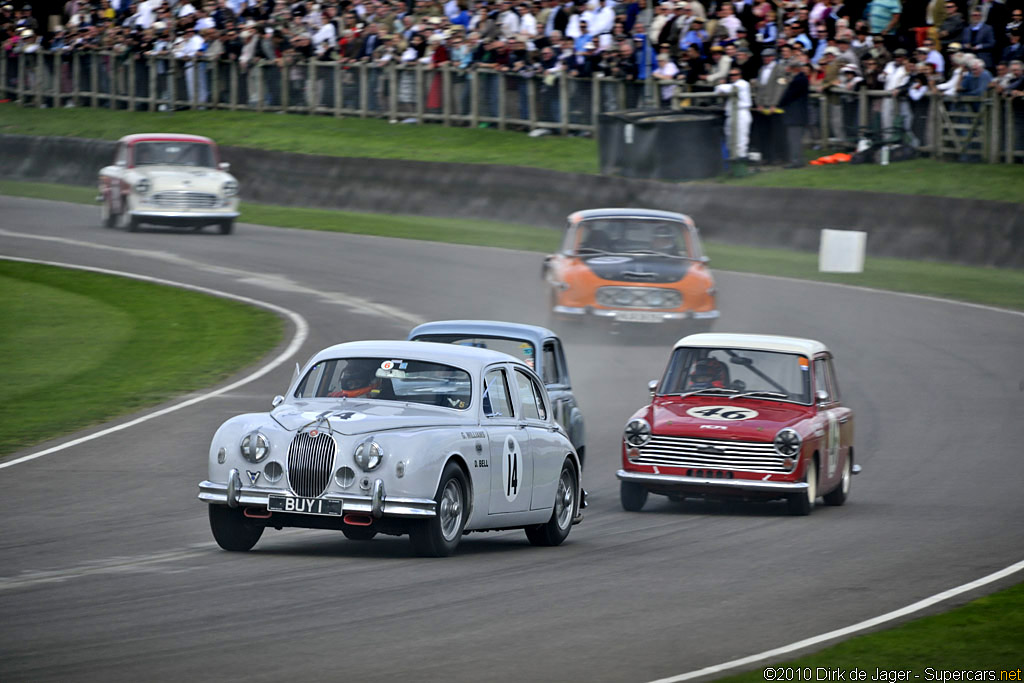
x,y
378,504
669,481
615,314
156,214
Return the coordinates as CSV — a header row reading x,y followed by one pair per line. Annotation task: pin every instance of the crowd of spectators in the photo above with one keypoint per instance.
x,y
756,48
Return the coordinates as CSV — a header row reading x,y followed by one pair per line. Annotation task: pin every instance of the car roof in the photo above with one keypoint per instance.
x,y
754,342
169,137
628,213
466,357
485,328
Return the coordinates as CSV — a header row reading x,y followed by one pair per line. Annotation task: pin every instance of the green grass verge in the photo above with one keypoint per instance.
x,y
992,286
986,634
375,138
81,348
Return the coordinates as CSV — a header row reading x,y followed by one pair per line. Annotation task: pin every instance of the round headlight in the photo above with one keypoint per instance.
x,y
230,188
637,432
368,455
787,442
142,186
255,447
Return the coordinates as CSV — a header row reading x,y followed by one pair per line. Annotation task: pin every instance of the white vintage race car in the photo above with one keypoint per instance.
x,y
430,440
167,179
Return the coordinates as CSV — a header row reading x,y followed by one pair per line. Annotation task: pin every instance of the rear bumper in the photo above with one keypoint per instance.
x,y
616,314
377,504
669,482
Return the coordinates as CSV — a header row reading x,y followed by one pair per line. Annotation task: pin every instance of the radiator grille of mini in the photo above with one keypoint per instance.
x,y
184,200
310,464
677,451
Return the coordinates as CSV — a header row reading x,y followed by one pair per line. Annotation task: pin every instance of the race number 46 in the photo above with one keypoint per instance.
x,y
724,413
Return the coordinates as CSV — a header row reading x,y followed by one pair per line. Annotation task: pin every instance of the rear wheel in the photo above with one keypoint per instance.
x,y
439,535
802,503
233,530
837,496
556,529
633,496
358,533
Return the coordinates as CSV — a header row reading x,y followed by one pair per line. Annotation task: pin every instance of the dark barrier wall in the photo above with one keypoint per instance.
x,y
933,228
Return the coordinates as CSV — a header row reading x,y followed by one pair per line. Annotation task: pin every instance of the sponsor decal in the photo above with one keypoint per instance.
x,y
713,427
608,260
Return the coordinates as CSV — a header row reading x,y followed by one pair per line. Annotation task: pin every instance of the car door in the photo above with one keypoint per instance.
x,y
509,444
843,414
827,412
546,442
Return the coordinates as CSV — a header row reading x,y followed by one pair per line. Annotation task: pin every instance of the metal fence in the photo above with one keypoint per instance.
x,y
987,129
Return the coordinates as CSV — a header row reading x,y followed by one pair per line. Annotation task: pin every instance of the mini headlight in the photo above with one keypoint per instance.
x,y
637,432
230,188
255,447
142,186
787,442
368,455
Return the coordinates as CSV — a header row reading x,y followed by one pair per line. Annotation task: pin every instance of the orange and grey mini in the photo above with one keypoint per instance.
x,y
632,266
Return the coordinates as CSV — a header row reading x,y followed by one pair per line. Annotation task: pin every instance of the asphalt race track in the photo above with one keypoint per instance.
x,y
108,571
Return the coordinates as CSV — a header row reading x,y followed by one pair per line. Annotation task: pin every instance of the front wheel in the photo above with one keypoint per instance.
x,y
233,530
106,215
633,496
439,535
801,504
556,529
837,496
227,227
125,220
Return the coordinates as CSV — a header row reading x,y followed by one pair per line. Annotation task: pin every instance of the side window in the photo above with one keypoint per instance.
x,y
496,399
308,386
530,397
821,378
552,374
833,382
121,154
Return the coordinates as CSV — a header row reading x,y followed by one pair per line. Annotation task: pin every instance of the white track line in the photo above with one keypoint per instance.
x,y
839,633
301,333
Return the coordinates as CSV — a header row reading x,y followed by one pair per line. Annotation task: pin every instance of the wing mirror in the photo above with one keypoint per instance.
x,y
121,163
821,396
278,400
652,387
224,166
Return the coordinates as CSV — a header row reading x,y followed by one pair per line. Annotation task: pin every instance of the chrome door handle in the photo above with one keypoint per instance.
x,y
844,420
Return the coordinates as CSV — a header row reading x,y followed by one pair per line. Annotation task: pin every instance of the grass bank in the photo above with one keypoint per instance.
x,y
992,286
353,137
82,348
984,635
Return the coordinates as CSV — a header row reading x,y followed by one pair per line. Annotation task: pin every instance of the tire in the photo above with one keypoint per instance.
x,y
556,529
439,535
227,227
837,496
125,220
801,504
233,530
633,496
358,533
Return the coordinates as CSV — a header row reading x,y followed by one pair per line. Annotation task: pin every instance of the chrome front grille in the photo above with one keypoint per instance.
x,y
311,463
184,200
679,451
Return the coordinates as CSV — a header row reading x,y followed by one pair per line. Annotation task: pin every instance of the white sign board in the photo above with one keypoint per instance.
x,y
842,251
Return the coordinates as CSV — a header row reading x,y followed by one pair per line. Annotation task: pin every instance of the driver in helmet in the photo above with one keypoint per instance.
x,y
664,240
707,374
358,378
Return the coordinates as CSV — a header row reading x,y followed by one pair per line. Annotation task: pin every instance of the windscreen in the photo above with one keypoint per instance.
x,y
174,153
632,236
388,379
762,374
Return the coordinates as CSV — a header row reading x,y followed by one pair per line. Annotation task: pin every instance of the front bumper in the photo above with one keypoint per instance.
x,y
682,483
174,217
617,314
377,504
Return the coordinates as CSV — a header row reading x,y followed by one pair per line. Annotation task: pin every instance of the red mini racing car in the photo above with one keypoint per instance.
x,y
743,416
